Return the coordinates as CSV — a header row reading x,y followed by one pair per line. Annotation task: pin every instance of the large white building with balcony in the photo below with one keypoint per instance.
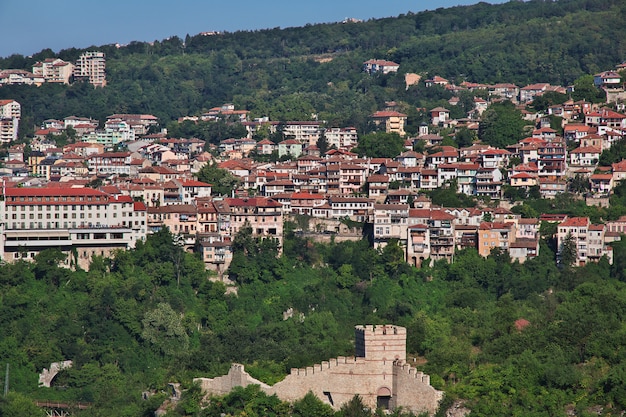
x,y
81,222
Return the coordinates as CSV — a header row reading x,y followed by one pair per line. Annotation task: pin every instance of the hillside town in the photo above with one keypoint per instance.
x,y
111,186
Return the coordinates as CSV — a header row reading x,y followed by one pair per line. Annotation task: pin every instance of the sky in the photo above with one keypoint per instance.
x,y
28,26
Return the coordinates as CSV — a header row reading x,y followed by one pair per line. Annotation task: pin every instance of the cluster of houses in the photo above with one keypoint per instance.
x,y
90,67
111,187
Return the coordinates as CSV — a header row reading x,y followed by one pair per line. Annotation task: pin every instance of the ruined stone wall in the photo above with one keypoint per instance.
x,y
222,385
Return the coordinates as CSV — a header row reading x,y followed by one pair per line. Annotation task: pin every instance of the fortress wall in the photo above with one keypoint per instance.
x,y
337,380
412,390
377,369
222,385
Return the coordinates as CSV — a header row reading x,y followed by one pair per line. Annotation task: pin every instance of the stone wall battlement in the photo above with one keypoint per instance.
x,y
408,369
324,365
380,330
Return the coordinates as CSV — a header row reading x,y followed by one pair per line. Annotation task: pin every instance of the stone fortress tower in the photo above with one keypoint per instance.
x,y
377,373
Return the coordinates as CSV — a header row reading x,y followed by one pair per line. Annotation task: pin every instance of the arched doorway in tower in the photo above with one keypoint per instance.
x,y
383,398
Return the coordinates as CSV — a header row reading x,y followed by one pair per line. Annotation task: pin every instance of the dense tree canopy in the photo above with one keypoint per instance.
x,y
130,325
502,125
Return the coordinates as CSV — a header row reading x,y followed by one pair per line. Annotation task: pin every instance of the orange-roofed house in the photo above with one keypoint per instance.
x,y
264,215
377,186
577,131
586,238
619,170
495,235
305,203
585,156
439,116
436,80
523,179
494,158
393,121
192,189
380,65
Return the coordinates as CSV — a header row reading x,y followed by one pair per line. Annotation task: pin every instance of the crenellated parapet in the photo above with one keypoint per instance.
x,y
328,365
400,366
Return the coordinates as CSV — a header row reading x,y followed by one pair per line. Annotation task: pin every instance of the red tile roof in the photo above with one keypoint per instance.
x,y
575,222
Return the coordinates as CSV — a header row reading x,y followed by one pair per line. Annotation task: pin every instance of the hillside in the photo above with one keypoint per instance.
x,y
129,325
292,73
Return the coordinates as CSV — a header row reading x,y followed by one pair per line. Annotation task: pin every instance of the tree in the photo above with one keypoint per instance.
x,y
380,145
18,405
502,125
355,408
567,252
311,406
322,144
585,89
221,180
578,184
464,137
163,328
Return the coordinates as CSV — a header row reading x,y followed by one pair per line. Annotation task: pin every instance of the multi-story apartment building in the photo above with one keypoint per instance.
x,y
91,67
390,222
393,121
54,70
111,163
307,132
81,222
489,183
10,114
586,240
552,159
495,235
341,137
418,244
441,232
263,215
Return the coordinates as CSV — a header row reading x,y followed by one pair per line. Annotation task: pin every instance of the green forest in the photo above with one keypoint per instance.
x,y
293,73
150,316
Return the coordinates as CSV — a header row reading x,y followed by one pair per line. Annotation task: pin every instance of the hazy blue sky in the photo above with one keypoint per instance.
x,y
28,26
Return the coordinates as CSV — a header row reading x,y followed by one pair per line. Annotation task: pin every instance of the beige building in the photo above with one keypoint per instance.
x,y
10,114
587,239
495,235
91,67
378,373
263,214
393,121
54,70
